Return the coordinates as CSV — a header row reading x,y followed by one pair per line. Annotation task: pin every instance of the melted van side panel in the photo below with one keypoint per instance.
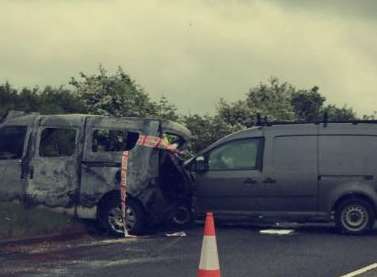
x,y
53,180
100,170
13,172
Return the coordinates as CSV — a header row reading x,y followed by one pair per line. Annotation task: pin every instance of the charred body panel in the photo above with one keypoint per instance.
x,y
72,162
53,176
14,158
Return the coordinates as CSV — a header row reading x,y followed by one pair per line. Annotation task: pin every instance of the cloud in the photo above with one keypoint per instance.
x,y
364,9
193,52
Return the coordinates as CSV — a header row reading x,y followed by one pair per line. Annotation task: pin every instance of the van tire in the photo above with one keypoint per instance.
x,y
182,216
111,217
354,216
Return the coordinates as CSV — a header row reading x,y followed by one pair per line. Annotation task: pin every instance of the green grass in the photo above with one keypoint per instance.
x,y
19,222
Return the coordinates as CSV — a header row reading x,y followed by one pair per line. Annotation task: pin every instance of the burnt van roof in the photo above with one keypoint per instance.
x,y
22,118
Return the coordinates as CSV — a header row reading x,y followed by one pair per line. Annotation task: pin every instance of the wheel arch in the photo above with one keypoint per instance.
x,y
354,195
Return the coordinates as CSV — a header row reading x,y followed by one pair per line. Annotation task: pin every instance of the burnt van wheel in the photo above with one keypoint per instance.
x,y
111,217
355,216
182,216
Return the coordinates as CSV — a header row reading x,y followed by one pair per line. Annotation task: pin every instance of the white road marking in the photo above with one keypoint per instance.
x,y
361,270
276,231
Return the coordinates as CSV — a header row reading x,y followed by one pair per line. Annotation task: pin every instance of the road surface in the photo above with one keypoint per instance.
x,y
243,251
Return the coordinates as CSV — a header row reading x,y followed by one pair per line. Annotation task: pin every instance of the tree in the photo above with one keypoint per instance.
x,y
207,129
8,98
112,94
47,101
339,114
271,99
282,102
163,109
59,101
370,116
307,104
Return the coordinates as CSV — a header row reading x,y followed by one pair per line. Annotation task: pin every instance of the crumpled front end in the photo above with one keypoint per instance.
x,y
157,178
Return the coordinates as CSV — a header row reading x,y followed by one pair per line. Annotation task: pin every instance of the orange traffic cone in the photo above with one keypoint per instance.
x,y
209,259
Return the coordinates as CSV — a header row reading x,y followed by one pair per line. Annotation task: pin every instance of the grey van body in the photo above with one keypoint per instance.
x,y
80,177
299,172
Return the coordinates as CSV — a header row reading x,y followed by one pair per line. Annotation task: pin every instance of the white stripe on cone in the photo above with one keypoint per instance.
x,y
209,259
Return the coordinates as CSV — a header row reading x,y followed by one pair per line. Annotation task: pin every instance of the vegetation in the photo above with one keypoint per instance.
x,y
117,94
17,221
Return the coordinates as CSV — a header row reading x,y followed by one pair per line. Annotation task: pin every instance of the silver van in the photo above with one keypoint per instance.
x,y
313,172
71,164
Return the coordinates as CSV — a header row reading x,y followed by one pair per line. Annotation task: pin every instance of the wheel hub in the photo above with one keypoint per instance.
x,y
355,217
115,219
181,216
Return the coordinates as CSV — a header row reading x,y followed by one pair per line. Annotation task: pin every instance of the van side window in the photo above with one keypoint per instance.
x,y
109,140
241,154
12,142
57,142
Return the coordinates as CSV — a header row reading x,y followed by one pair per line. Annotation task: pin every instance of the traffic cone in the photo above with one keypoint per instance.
x,y
209,259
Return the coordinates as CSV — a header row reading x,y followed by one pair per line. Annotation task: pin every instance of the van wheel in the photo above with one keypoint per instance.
x,y
111,217
355,216
182,216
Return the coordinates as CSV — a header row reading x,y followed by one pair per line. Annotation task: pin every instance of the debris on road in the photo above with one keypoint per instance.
x,y
176,234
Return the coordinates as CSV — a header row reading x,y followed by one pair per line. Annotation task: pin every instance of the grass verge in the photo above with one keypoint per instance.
x,y
19,222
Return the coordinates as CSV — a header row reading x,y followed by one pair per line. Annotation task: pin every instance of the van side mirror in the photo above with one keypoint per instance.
x,y
200,164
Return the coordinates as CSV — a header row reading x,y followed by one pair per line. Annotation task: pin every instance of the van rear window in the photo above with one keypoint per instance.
x,y
12,140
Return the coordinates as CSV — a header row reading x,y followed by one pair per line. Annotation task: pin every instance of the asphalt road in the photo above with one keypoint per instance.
x,y
243,251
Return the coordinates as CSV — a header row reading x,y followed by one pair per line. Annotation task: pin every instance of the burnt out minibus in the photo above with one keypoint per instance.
x,y
71,164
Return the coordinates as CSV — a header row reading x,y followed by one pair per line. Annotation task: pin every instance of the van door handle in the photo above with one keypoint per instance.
x,y
249,181
269,180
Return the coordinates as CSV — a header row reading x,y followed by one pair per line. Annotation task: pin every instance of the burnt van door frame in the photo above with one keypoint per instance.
x,y
291,174
106,158
53,180
13,171
100,171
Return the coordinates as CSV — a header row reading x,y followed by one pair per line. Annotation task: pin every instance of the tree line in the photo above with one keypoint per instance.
x,y
117,94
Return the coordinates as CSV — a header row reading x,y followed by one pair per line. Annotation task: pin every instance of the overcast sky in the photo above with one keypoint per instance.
x,y
195,52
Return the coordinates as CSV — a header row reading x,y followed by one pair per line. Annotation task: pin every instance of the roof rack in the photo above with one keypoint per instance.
x,y
264,122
